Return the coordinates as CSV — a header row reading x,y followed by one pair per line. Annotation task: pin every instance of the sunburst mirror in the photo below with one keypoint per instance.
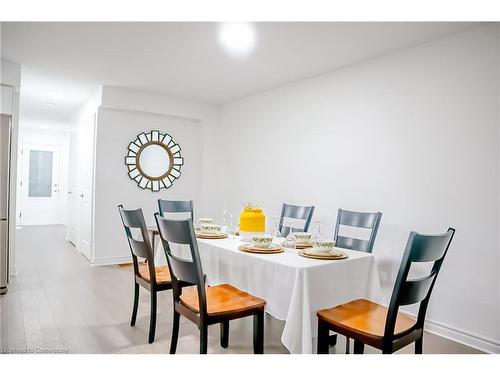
x,y
154,160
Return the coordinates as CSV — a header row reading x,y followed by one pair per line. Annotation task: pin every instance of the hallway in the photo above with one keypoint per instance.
x,y
59,304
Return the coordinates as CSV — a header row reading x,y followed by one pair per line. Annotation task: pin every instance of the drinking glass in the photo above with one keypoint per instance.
x,y
224,214
290,240
224,221
197,215
232,230
271,229
276,231
317,229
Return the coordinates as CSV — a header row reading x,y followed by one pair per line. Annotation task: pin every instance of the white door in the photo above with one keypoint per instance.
x,y
85,191
40,185
73,191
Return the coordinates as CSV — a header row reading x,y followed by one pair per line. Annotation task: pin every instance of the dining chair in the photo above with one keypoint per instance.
x,y
154,279
201,304
289,211
365,220
166,206
386,328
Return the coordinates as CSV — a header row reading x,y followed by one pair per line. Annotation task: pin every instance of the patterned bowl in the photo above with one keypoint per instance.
x,y
263,241
323,246
210,228
302,237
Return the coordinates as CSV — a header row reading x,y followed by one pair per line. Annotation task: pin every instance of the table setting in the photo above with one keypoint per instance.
x,y
297,275
208,230
252,224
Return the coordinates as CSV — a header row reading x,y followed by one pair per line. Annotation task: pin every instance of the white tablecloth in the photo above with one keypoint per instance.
x,y
294,287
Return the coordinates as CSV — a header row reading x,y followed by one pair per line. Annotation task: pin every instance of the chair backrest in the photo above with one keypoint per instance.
x,y
419,248
365,220
165,206
289,211
139,247
183,271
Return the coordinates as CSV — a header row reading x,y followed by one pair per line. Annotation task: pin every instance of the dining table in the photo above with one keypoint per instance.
x,y
294,287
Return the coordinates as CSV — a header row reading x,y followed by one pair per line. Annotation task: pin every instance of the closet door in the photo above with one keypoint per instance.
x,y
86,181
73,190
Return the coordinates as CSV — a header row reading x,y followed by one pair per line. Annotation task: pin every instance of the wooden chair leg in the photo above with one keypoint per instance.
x,y
136,304
347,345
419,345
258,333
323,337
359,347
203,339
224,334
152,318
175,332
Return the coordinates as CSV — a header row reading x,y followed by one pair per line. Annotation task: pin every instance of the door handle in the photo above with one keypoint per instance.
x,y
81,195
56,191
69,192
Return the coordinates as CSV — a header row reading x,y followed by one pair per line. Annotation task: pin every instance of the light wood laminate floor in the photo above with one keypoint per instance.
x,y
58,302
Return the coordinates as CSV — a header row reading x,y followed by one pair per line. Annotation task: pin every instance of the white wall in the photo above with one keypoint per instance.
x,y
205,114
30,133
10,74
122,116
415,135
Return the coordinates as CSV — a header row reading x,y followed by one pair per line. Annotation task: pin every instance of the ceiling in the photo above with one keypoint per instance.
x,y
36,88
185,59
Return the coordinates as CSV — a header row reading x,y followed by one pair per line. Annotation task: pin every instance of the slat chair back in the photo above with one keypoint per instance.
x,y
183,271
289,211
419,248
166,206
365,220
139,248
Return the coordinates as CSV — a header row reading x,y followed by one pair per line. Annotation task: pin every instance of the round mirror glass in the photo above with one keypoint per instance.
x,y
154,161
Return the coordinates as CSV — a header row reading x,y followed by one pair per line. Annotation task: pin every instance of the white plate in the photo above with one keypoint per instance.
x,y
317,252
272,246
208,232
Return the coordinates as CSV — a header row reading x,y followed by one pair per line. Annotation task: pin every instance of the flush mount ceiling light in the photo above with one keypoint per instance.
x,y
238,39
50,104
54,95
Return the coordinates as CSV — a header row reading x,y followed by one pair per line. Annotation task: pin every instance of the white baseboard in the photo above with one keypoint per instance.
x,y
111,261
479,342
473,340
